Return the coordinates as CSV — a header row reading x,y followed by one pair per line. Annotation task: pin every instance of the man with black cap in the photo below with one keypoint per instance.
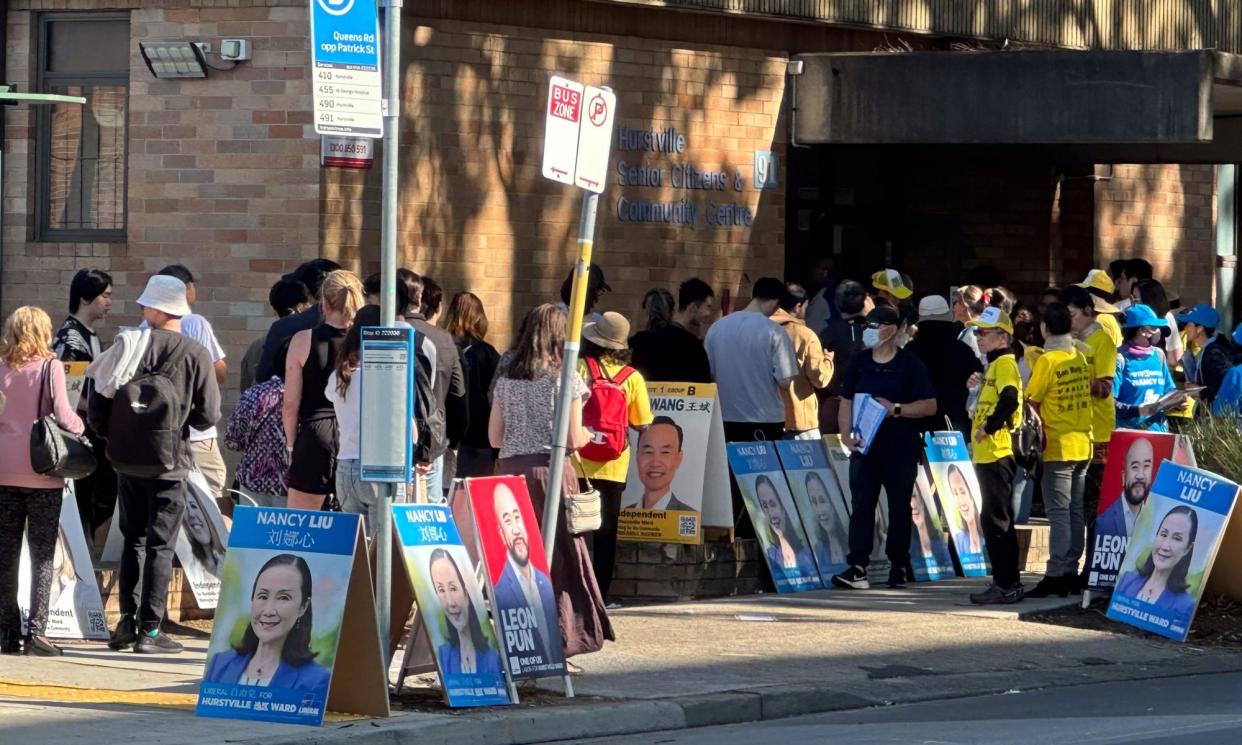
x,y
276,345
899,381
596,287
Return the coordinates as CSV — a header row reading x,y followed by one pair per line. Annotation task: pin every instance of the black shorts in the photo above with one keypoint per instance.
x,y
312,469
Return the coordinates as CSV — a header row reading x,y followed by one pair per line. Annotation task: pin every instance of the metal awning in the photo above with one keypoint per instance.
x,y
1133,106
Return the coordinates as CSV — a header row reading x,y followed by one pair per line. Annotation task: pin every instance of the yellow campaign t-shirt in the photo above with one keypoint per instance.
x,y
640,416
1061,385
1002,373
1102,358
1109,323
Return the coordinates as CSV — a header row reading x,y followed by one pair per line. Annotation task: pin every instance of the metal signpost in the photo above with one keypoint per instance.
x,y
345,64
576,144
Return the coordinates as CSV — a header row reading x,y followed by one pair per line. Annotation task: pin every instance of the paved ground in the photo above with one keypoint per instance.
x,y
675,666
1200,710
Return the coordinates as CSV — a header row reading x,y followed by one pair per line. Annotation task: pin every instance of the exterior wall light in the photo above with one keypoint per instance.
x,y
174,59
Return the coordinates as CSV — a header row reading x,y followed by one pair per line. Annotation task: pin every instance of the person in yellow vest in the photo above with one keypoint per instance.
x,y
1101,288
1087,322
997,414
1060,386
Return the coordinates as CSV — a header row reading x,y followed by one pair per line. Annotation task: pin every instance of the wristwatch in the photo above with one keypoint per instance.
x,y
897,410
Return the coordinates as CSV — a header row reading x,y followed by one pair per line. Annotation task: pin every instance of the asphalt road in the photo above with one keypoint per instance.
x,y
1203,710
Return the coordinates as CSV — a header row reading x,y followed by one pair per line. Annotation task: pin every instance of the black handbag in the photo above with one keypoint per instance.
x,y
54,451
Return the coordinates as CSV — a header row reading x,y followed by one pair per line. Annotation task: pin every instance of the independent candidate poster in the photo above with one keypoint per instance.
x,y
819,502
278,620
1170,553
663,498
200,544
958,486
775,517
929,551
450,603
523,601
1134,460
74,609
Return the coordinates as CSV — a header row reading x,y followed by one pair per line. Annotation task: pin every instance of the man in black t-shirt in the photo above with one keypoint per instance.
x,y
898,380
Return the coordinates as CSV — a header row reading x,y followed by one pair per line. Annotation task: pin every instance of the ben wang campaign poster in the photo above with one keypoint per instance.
x,y
663,499
961,498
1134,460
1171,550
772,510
279,614
819,501
451,604
522,597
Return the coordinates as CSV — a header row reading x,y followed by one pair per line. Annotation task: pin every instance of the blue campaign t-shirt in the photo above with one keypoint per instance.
x,y
901,380
1140,379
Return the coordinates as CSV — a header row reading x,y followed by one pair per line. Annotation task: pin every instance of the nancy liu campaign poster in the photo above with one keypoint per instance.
x,y
1170,553
295,613
517,569
771,507
958,486
450,605
820,503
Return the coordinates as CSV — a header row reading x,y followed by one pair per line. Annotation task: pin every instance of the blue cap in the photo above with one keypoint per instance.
x,y
1142,315
1201,315
1237,335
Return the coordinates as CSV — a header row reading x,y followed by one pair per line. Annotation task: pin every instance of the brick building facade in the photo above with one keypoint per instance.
x,y
223,174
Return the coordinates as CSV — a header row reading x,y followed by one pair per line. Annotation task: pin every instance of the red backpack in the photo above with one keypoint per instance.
x,y
606,413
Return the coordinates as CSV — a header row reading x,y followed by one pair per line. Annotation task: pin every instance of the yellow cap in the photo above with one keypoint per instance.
x,y
892,281
1098,279
993,318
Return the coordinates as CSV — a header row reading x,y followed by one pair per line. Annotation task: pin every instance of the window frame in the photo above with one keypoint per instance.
x,y
43,230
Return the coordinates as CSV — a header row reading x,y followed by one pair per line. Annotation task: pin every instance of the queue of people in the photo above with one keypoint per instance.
x,y
1089,357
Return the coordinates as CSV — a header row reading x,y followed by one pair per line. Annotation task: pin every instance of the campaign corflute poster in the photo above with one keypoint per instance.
x,y
74,609
819,502
290,616
771,507
450,603
1171,551
201,541
958,487
1134,460
523,600
929,551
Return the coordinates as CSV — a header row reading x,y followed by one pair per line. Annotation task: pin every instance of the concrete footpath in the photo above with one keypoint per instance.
x,y
674,666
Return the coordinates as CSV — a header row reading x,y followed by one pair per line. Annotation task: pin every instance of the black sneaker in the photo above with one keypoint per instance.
x,y
854,578
897,577
40,646
160,643
1050,586
997,595
124,635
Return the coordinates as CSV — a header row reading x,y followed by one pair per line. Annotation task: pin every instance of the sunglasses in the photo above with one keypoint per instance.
x,y
875,325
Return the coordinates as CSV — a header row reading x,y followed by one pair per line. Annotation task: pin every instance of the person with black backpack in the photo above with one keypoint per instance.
x,y
618,402
152,386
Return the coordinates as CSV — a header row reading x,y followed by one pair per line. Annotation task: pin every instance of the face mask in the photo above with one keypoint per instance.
x,y
871,338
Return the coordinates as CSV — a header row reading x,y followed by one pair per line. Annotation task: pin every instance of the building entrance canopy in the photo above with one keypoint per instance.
x,y
1100,106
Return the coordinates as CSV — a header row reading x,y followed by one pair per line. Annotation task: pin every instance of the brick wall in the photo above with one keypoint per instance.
x,y
477,214
1165,214
223,173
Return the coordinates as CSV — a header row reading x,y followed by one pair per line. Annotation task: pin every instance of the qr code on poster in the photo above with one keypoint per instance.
x,y
96,621
688,526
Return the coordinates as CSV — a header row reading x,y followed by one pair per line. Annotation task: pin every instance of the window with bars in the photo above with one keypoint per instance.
x,y
81,148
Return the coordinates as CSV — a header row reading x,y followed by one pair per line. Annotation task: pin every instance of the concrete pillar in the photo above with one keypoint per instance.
x,y
1227,242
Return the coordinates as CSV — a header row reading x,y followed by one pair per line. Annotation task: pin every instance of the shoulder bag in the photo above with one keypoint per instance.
x,y
583,513
55,451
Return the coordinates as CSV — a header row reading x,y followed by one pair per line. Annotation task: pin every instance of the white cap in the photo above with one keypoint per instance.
x,y
934,308
165,294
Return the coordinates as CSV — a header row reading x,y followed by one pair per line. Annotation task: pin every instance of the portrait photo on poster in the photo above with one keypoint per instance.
x,y
523,600
278,617
1133,461
819,501
451,605
201,542
929,551
958,486
659,454
1171,550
